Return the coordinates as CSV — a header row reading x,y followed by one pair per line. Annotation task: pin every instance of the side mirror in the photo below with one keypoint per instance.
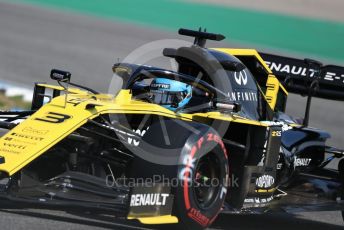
x,y
234,107
60,75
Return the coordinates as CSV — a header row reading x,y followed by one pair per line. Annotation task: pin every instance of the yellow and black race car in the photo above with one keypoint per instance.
x,y
177,147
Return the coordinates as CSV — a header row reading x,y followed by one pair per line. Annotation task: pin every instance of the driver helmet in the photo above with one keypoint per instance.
x,y
171,94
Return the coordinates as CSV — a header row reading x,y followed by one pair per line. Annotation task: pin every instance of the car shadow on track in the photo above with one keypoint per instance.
x,y
278,221
273,221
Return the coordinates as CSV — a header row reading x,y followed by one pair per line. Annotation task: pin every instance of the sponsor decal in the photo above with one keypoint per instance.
x,y
265,181
242,96
329,76
285,68
29,137
34,131
141,133
15,146
302,161
198,217
160,86
189,160
241,77
258,200
276,133
187,172
265,190
5,150
150,199
15,140
302,71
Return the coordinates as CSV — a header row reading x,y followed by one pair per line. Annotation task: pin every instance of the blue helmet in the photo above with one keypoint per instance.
x,y
169,93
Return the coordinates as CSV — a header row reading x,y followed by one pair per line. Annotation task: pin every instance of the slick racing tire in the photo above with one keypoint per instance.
x,y
203,174
200,177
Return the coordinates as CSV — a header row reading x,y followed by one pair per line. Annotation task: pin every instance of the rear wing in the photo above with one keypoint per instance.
x,y
307,76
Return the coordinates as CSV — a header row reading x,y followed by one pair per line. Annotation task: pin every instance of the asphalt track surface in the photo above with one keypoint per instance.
x,y
33,40
281,32
319,9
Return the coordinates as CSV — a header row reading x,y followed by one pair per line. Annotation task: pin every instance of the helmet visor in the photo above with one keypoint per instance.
x,y
167,97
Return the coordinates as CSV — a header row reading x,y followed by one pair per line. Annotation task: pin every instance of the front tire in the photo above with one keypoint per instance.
x,y
200,168
203,174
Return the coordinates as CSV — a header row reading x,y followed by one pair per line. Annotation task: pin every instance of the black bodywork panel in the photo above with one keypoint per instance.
x,y
298,75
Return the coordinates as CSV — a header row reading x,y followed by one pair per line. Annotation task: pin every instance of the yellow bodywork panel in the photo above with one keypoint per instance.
x,y
245,52
223,117
157,220
40,132
57,119
273,84
70,90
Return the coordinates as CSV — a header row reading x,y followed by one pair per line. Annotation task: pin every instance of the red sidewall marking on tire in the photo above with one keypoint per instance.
x,y
187,174
195,148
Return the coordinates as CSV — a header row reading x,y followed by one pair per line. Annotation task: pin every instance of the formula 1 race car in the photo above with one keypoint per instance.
x,y
177,147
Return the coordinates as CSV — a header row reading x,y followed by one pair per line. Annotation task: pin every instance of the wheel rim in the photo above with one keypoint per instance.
x,y
207,181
